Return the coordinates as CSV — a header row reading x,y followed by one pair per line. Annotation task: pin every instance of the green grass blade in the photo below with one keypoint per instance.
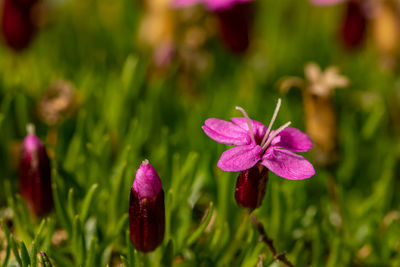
x,y
196,234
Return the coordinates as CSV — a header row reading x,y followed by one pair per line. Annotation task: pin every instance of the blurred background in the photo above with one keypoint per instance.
x,y
110,83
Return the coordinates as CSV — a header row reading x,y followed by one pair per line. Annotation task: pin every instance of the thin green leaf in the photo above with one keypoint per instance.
x,y
131,255
87,201
35,243
60,207
14,246
196,234
91,254
26,261
168,254
78,242
70,206
8,238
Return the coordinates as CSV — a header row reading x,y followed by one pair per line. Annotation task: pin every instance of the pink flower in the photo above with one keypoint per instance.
x,y
255,143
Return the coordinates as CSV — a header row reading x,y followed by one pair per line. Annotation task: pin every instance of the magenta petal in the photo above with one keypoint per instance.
x,y
287,164
225,132
258,128
147,183
217,5
293,140
240,158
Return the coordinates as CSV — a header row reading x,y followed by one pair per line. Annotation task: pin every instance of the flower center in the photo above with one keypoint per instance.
x,y
267,139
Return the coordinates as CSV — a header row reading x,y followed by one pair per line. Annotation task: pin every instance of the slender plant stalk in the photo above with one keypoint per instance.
x,y
234,246
269,242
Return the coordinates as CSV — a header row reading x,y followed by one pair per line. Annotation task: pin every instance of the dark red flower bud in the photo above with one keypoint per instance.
x,y
17,24
250,187
146,209
354,26
235,26
35,175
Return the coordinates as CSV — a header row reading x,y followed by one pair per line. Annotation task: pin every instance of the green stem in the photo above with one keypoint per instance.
x,y
237,240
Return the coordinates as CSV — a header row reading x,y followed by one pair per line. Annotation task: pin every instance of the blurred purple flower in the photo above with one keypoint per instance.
x,y
146,209
255,143
35,175
353,29
354,24
235,26
17,25
235,18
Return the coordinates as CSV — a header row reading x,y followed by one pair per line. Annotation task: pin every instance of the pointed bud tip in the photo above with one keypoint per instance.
x,y
147,183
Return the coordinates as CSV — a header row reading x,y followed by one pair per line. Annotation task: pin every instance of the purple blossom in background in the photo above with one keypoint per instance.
x,y
235,19
255,143
17,25
353,29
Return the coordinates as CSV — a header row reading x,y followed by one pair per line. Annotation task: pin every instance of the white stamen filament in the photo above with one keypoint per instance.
x,y
278,106
248,123
277,131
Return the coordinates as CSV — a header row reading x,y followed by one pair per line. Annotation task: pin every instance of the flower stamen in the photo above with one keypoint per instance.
x,y
277,131
249,124
278,106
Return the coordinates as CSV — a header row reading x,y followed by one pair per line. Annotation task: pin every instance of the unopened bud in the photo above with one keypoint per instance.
x,y
250,187
235,26
17,24
146,209
35,175
354,25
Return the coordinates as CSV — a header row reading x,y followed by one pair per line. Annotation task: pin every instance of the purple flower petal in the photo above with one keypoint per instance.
x,y
287,164
258,128
226,132
240,158
147,183
217,5
292,139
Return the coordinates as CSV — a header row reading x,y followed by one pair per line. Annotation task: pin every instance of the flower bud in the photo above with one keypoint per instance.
x,y
250,187
354,26
235,26
17,24
35,175
146,209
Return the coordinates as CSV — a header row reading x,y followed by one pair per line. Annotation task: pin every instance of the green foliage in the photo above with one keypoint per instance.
x,y
343,216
